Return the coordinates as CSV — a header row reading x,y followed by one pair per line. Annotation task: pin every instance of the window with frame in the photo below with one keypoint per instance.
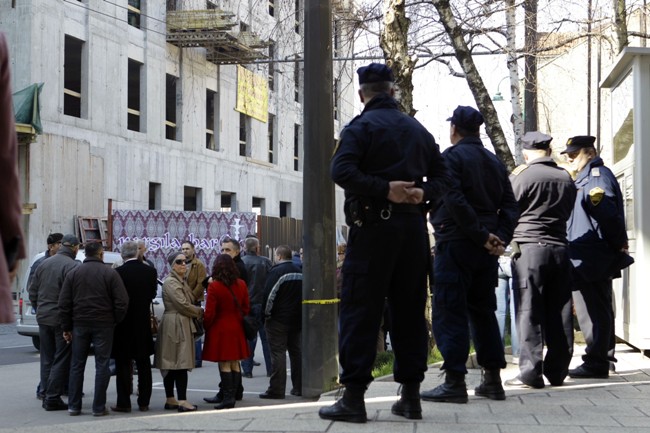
x,y
72,76
296,80
271,7
271,65
134,12
210,120
133,96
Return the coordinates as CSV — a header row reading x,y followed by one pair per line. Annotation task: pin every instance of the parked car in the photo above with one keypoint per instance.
x,y
26,323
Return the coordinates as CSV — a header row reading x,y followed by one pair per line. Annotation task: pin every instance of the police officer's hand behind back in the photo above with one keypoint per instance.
x,y
401,191
495,245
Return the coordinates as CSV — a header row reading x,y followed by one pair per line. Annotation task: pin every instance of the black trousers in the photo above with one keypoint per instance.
x,y
386,259
123,381
593,304
542,284
283,338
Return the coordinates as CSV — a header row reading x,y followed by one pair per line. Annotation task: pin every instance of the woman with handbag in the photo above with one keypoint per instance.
x,y
226,304
175,345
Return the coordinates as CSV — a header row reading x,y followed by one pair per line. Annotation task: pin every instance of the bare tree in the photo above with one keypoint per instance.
x,y
620,23
475,82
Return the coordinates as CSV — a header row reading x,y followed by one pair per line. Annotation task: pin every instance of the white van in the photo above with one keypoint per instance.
x,y
26,322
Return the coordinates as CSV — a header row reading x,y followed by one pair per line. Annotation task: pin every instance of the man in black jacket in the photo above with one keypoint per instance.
x,y
132,339
472,225
282,307
93,300
389,166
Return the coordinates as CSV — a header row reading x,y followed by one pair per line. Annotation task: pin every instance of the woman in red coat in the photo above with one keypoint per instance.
x,y
225,342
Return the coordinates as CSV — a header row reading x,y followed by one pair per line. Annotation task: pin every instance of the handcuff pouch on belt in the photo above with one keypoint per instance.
x,y
362,210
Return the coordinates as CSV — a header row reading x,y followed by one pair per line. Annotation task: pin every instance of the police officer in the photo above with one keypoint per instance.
x,y
389,165
598,251
542,270
472,226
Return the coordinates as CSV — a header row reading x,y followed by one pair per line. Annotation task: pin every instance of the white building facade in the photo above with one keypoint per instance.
x,y
149,124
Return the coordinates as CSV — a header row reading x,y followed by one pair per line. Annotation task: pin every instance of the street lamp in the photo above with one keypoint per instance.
x,y
498,96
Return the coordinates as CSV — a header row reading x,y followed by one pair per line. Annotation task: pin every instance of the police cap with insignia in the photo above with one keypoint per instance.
x,y
535,140
375,73
467,118
578,142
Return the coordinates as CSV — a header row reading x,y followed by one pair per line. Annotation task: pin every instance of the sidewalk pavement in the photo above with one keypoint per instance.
x,y
618,404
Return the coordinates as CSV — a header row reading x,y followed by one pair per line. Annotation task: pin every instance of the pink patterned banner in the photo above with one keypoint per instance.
x,y
165,231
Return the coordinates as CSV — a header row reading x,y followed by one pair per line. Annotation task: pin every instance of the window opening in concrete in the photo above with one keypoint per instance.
x,y
192,199
271,133
72,73
210,118
134,12
154,196
244,135
259,206
285,209
133,96
271,65
296,147
170,108
228,201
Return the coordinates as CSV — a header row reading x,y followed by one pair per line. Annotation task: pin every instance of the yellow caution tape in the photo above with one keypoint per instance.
x,y
321,301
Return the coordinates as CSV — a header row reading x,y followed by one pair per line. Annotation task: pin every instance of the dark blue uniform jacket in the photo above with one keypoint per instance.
x,y
596,230
480,200
383,144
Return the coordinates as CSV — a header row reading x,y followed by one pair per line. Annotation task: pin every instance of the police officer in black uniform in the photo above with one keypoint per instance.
x,y
389,166
598,250
541,270
472,226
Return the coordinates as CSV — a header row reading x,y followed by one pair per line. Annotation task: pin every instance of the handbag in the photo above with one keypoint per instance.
x,y
200,330
153,321
249,323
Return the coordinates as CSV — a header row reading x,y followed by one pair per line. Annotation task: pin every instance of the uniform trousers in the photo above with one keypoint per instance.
x,y
386,259
542,278
465,276
593,304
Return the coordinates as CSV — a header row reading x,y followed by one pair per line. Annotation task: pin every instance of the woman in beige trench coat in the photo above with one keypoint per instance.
x,y
175,342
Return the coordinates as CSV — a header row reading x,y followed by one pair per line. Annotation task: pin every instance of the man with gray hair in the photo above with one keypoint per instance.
x,y
132,339
257,268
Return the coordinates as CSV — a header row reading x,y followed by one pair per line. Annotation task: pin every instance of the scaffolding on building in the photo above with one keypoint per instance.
x,y
212,29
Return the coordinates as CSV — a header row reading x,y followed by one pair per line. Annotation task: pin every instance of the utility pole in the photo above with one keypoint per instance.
x,y
319,312
530,62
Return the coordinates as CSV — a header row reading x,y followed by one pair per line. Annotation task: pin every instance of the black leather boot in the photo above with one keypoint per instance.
x,y
349,408
408,405
453,390
228,387
218,398
239,388
491,386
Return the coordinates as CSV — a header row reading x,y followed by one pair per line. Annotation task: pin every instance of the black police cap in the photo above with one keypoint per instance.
x,y
467,118
536,140
578,142
375,73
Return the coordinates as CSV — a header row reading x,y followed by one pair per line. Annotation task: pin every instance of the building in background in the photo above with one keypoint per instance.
x,y
172,105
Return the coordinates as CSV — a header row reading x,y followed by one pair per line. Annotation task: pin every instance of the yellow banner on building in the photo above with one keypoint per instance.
x,y
252,94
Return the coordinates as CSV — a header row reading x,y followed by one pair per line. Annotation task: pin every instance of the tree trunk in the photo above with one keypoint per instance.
x,y
620,23
394,43
530,62
475,83
517,117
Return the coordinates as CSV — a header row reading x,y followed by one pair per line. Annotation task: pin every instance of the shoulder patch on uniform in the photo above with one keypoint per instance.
x,y
595,172
519,169
596,195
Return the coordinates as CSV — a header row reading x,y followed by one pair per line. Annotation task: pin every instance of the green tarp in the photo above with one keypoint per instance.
x,y
27,106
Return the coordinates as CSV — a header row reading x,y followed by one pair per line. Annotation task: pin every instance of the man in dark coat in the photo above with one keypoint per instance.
x,y
598,250
132,339
282,307
472,225
389,166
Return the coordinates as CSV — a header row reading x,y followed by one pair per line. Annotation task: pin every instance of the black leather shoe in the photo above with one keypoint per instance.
x,y
342,411
295,392
584,372
518,383
271,396
50,405
120,409
214,400
410,409
445,393
169,406
247,375
256,364
188,409
144,408
490,386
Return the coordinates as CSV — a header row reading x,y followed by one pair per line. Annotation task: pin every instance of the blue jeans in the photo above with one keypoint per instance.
x,y
102,340
505,299
247,364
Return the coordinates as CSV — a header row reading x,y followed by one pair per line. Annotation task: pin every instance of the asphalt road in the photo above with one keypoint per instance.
x,y
14,348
